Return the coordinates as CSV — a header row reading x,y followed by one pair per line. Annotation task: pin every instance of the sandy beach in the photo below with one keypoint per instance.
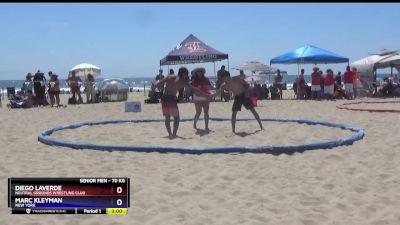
x,y
348,185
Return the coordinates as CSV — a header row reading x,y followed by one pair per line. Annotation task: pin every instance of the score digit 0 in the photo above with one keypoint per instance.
x,y
119,190
119,202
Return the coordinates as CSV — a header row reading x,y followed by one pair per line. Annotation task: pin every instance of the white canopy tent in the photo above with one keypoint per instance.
x,y
367,67
391,61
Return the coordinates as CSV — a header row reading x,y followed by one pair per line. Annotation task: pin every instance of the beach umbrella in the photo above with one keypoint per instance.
x,y
114,86
253,66
83,69
253,78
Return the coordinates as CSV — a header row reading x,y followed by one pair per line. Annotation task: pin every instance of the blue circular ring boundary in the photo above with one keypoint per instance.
x,y
44,137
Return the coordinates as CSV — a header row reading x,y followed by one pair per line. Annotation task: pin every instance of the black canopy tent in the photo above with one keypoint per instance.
x,y
193,50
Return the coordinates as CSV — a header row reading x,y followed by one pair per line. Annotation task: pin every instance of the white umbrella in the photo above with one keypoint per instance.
x,y
253,66
83,69
253,78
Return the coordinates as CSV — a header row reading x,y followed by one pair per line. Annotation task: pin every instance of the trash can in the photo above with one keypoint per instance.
x,y
10,92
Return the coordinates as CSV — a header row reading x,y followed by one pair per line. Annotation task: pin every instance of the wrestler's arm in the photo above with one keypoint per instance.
x,y
161,83
245,84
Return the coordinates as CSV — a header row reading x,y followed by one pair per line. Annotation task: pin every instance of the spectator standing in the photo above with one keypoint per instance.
x,y
90,89
54,89
316,84
329,84
348,77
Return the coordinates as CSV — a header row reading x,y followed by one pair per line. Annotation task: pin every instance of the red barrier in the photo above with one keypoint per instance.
x,y
345,106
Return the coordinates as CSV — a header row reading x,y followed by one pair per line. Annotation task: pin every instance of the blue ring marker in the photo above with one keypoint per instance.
x,y
44,137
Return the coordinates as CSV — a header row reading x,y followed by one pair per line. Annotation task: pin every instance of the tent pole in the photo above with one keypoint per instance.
x,y
269,74
229,67
391,71
215,74
298,69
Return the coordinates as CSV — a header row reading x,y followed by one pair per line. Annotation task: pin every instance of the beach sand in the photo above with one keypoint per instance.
x,y
357,184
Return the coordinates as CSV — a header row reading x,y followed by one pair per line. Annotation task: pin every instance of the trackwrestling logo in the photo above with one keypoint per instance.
x,y
195,46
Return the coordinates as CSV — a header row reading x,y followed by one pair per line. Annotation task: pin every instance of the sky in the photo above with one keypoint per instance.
x,y
129,39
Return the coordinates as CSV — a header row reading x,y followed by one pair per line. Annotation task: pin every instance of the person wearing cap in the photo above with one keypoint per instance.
x,y
27,86
54,89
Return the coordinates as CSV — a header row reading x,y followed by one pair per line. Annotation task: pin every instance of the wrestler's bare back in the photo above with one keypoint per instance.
x,y
237,85
172,84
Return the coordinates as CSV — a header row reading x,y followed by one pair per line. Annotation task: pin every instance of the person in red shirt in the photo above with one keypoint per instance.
x,y
316,84
200,81
348,77
329,84
75,82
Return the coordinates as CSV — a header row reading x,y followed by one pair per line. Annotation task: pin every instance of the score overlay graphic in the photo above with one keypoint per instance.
x,y
101,195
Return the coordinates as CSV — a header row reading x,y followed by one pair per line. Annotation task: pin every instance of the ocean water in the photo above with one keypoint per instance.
x,y
136,84
144,83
